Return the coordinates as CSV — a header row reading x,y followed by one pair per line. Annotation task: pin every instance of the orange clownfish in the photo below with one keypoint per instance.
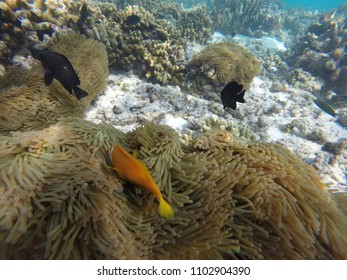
x,y
136,172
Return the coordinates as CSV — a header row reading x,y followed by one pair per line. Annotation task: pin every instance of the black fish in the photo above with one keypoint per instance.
x,y
84,14
59,67
232,93
41,33
132,20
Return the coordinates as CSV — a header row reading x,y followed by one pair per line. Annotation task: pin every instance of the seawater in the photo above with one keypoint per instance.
x,y
321,5
326,5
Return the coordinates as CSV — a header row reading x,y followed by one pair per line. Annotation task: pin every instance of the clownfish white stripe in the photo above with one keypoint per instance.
x,y
110,155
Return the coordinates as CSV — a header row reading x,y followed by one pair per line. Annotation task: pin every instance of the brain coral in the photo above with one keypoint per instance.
x,y
27,103
59,200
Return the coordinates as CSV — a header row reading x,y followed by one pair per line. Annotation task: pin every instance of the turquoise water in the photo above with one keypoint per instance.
x,y
326,5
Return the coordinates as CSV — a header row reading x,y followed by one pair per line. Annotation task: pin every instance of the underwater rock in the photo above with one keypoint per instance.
x,y
336,148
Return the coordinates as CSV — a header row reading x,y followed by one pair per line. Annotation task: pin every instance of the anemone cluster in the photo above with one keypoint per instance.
x,y
27,103
219,63
233,199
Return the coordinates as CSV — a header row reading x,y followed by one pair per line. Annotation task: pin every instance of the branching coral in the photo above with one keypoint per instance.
x,y
195,24
192,24
236,16
27,103
252,17
233,199
152,48
323,51
220,63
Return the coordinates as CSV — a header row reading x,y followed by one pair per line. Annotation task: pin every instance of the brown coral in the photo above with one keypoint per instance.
x,y
233,200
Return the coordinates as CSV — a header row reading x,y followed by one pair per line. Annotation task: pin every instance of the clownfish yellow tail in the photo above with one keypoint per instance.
x,y
165,209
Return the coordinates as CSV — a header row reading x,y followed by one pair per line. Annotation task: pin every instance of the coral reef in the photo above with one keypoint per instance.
x,y
158,7
27,103
191,3
165,9
246,17
323,52
234,16
220,63
23,20
342,9
234,200
261,18
295,23
195,24
192,24
152,47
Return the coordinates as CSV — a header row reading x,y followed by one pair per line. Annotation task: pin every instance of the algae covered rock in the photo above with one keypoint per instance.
x,y
27,103
233,199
